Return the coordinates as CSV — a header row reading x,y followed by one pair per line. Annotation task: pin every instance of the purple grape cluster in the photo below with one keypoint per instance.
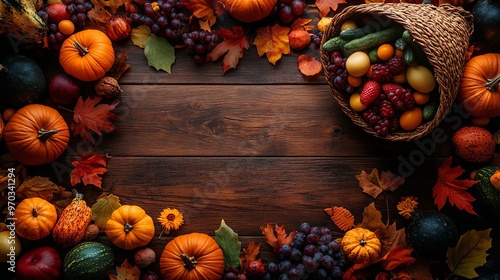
x,y
289,10
78,10
339,73
313,254
199,44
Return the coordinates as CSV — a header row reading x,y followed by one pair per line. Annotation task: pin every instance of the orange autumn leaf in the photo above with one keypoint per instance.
x,y
98,15
308,65
399,257
324,6
372,220
375,183
231,48
126,272
276,237
206,10
341,217
113,5
120,66
302,24
87,169
273,42
250,253
449,188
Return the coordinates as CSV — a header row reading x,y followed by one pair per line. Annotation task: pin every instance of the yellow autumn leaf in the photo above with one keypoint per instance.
x,y
469,253
103,208
140,35
126,272
273,42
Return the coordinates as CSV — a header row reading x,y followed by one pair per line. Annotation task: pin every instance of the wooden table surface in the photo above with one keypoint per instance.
x,y
260,144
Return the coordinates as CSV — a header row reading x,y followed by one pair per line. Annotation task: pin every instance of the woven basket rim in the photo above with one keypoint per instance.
x,y
412,17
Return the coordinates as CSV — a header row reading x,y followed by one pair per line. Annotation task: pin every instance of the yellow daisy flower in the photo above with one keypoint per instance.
x,y
170,219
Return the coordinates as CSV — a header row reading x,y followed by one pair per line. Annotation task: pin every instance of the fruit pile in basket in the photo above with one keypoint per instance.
x,y
383,73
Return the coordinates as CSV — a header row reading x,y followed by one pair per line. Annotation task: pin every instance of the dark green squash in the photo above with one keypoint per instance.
x,y
431,233
486,192
88,261
22,81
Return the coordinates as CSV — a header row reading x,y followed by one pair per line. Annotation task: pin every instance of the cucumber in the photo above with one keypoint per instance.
x,y
409,56
430,109
373,39
400,44
350,34
407,36
334,44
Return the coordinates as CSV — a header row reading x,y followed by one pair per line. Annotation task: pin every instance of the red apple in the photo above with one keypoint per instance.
x,y
42,263
64,89
57,12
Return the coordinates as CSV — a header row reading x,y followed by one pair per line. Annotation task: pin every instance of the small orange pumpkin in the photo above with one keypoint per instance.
x,y
36,134
35,218
129,227
249,10
479,93
361,245
192,256
87,55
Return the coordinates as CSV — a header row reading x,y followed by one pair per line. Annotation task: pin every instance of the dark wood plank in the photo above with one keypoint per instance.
x,y
251,120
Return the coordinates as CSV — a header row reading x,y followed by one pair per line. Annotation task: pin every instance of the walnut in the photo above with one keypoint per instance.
x,y
107,87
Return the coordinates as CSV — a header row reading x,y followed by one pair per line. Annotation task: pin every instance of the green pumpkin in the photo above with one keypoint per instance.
x,y
88,261
486,192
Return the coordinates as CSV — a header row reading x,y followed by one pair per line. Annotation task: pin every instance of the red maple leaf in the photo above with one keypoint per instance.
x,y
448,187
232,47
324,6
89,117
88,168
397,258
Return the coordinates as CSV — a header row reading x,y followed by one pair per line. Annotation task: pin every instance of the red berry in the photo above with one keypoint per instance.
x,y
255,268
381,73
396,65
370,92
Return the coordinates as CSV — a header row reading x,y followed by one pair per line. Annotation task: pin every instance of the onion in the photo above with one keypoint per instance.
x,y
64,89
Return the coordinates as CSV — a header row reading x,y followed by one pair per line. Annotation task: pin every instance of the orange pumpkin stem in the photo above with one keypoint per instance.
x,y
81,49
44,134
189,262
128,227
492,84
34,212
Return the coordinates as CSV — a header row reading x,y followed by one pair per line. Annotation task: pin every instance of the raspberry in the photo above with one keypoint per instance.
x,y
386,109
396,65
381,73
390,87
371,116
401,98
370,92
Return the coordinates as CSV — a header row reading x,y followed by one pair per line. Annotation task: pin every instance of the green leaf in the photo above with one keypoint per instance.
x,y
140,35
103,208
160,54
229,243
469,253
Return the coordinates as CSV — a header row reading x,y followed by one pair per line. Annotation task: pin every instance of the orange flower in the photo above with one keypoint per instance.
x,y
170,219
407,206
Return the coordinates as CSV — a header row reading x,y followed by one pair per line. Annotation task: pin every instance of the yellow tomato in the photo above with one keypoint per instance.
x,y
421,98
357,64
356,104
420,78
410,119
66,27
9,245
348,24
323,23
385,51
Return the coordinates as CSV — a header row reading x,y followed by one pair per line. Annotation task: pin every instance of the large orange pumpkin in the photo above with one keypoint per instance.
x,y
249,10
361,245
479,93
129,227
35,218
36,134
87,55
192,256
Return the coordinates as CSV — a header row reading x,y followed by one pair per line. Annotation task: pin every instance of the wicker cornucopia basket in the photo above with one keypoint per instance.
x,y
443,34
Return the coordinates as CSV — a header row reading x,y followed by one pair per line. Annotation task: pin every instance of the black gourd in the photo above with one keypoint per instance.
x,y
431,233
22,81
